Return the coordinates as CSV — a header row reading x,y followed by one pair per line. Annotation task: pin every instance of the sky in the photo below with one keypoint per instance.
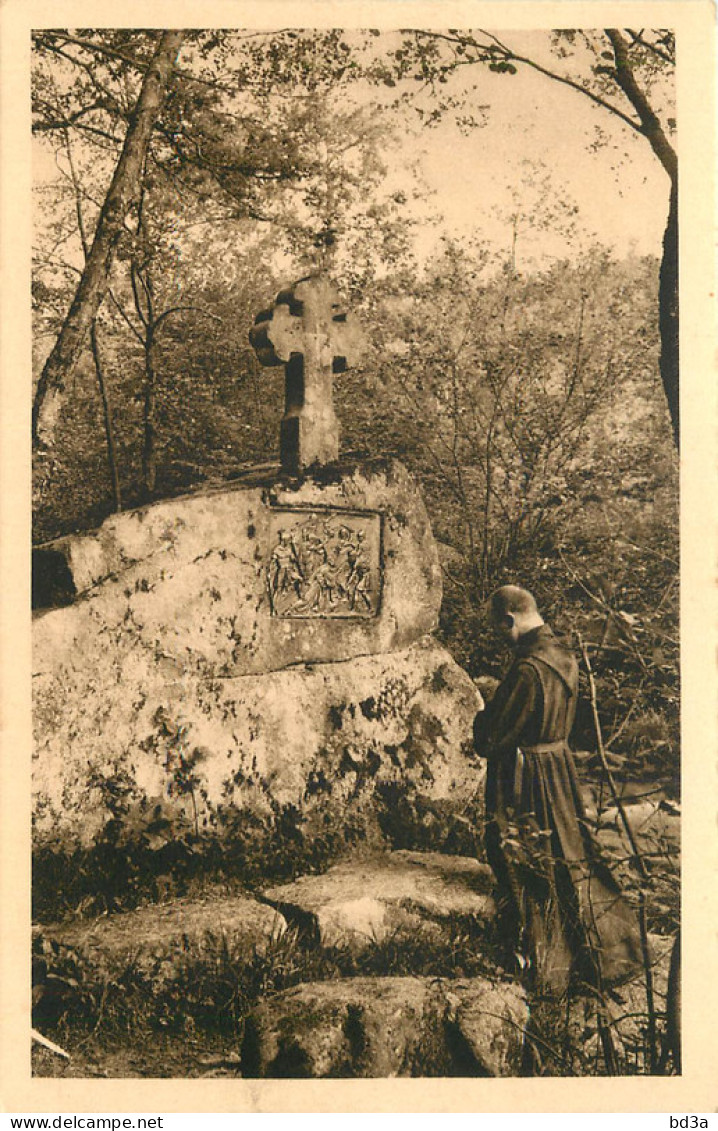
x,y
536,126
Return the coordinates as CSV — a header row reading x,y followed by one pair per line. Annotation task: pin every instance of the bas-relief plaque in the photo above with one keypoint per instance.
x,y
324,563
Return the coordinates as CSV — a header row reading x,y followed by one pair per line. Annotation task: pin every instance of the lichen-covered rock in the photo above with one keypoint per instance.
x,y
153,939
262,646
491,1019
244,580
125,730
361,902
386,1027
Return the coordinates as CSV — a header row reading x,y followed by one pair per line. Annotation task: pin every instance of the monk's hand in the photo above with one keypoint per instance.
x,y
486,686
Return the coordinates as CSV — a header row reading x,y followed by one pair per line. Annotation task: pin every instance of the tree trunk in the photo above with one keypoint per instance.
x,y
149,455
107,416
121,197
668,314
94,340
668,287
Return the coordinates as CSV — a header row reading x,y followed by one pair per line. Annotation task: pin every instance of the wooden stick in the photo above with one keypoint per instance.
x,y
40,1040
640,863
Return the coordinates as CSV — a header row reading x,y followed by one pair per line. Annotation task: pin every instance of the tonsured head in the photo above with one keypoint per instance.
x,y
513,612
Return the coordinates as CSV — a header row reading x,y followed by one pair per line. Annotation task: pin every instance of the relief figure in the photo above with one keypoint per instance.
x,y
323,566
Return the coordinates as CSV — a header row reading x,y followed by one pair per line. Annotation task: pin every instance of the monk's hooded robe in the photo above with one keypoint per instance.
x,y
559,904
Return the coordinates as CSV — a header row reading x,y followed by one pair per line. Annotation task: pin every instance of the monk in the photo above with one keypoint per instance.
x,y
559,905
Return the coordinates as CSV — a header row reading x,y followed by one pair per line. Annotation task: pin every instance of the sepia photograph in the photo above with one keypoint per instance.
x,y
349,381
355,550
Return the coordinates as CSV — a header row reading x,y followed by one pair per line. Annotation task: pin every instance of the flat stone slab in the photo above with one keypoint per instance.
x,y
154,937
362,902
388,1027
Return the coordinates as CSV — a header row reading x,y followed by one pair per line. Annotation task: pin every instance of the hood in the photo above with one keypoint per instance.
x,y
541,644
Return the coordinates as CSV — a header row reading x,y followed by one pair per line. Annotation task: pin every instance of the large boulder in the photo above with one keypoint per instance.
x,y
387,1027
124,730
256,647
360,902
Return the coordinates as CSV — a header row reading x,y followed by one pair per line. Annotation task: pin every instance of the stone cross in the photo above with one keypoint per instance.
x,y
308,330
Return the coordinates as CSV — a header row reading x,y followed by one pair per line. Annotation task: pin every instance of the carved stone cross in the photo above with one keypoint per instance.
x,y
308,330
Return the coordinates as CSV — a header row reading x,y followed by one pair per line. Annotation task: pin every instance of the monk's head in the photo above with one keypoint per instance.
x,y
513,612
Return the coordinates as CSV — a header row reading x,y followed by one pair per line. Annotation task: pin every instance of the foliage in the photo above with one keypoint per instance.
x,y
238,180
528,408
624,73
151,852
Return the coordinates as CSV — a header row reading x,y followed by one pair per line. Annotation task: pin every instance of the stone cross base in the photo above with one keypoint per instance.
x,y
304,441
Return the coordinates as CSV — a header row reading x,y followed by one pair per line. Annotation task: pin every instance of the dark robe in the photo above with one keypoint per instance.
x,y
560,906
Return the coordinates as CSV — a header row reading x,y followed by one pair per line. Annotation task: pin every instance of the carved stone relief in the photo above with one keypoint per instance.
x,y
324,563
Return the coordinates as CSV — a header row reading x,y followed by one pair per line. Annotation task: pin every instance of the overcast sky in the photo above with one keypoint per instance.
x,y
534,123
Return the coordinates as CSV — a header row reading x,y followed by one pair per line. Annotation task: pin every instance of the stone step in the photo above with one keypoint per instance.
x,y
361,902
152,939
387,1027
